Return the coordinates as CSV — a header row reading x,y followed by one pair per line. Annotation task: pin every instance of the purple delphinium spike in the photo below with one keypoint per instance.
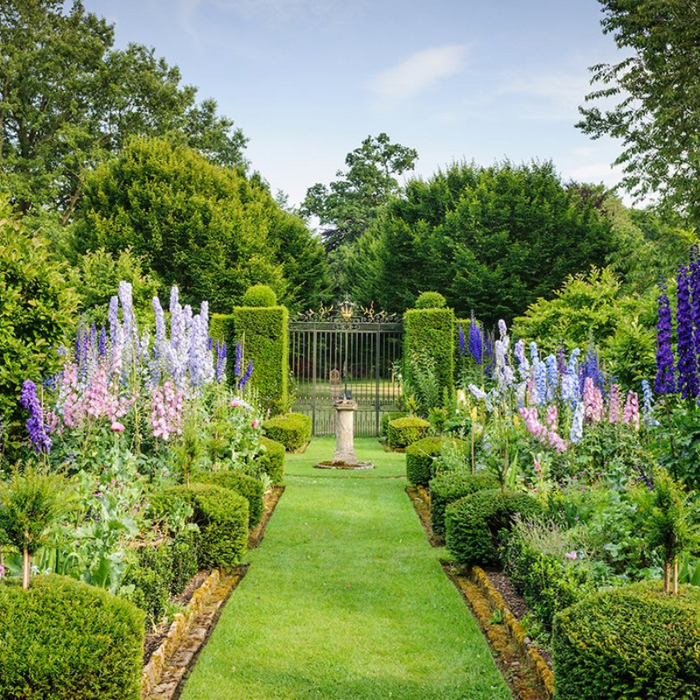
x,y
687,364
476,345
694,282
246,376
461,340
552,377
35,424
665,379
540,383
102,344
238,365
220,362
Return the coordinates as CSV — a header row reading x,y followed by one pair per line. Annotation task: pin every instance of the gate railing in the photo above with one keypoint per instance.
x,y
329,355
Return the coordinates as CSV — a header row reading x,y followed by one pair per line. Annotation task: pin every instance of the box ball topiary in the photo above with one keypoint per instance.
x,y
632,642
247,486
421,455
386,417
271,459
472,524
259,295
293,430
220,514
403,432
431,300
65,640
448,487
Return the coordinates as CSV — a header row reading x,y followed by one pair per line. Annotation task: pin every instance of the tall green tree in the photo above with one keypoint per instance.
x,y
348,206
69,100
656,94
491,240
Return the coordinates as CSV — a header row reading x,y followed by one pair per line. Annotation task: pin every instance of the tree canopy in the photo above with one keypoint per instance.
x,y
656,88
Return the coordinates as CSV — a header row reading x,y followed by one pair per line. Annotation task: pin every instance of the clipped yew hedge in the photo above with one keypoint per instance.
x,y
430,332
473,523
64,640
271,459
293,430
247,486
421,456
403,432
629,643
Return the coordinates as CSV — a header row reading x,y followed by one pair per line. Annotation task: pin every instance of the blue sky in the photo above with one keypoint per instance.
x,y
308,80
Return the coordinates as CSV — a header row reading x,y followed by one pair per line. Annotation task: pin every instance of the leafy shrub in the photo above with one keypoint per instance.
x,y
259,296
160,571
293,430
473,524
448,487
403,432
431,300
220,514
392,415
421,455
247,486
264,333
271,459
430,333
631,642
65,640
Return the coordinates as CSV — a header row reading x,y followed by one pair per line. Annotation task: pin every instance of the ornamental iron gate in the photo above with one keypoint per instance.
x,y
326,354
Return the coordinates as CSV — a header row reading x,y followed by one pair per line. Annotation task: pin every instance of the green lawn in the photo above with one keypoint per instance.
x,y
345,600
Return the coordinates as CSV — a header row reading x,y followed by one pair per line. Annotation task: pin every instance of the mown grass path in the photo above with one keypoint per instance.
x,y
345,600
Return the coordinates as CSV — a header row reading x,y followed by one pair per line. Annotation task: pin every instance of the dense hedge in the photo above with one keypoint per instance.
x,y
547,584
386,417
264,332
421,455
247,486
631,643
271,459
259,296
222,518
430,332
472,524
403,432
222,327
293,430
65,640
159,572
448,487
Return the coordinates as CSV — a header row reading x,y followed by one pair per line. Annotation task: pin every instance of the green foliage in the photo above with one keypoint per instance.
x,y
643,107
429,333
450,486
630,643
431,300
473,524
403,432
221,516
247,486
348,206
65,640
222,327
160,570
293,430
421,384
271,459
38,311
387,417
71,100
259,295
491,240
421,455
265,337
591,308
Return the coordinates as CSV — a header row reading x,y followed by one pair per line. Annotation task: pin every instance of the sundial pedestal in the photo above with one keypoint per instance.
x,y
344,456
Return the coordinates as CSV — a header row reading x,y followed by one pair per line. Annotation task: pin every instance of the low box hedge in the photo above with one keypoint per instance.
x,y
421,455
449,487
387,417
293,430
473,523
631,643
403,432
222,518
271,459
64,640
247,486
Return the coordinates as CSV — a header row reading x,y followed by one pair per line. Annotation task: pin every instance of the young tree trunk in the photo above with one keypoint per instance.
x,y
26,568
675,576
473,454
667,576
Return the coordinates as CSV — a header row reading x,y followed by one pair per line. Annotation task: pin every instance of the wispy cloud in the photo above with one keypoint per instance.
x,y
417,73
